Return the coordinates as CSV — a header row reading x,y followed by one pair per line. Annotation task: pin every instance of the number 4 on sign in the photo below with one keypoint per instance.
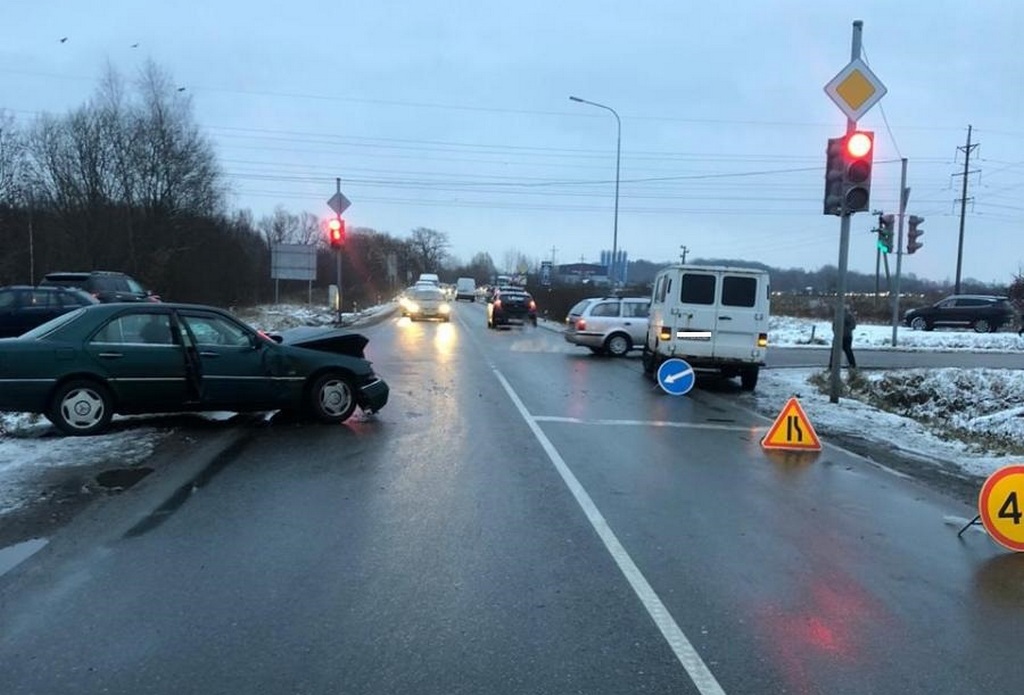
x,y
792,430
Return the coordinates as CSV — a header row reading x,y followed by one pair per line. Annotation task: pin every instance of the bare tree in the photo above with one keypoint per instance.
x,y
517,262
12,160
429,248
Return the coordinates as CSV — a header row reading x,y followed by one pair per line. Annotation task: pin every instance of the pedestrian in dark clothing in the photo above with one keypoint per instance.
x,y
849,323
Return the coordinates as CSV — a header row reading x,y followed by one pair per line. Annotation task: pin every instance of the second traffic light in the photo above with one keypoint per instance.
x,y
886,227
848,166
913,233
336,232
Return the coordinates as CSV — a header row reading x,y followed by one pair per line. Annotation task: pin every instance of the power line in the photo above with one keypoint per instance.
x,y
881,108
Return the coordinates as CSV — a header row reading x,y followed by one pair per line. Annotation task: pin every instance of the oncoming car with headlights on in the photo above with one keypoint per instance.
x,y
424,302
81,368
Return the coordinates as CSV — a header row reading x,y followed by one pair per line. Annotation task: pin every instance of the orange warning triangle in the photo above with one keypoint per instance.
x,y
792,430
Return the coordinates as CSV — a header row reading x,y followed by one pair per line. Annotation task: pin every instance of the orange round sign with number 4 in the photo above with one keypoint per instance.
x,y
1001,505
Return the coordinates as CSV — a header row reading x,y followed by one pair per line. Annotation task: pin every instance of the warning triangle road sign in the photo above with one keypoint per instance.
x,y
792,430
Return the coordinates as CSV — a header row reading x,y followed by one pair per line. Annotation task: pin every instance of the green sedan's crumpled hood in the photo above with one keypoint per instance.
x,y
325,340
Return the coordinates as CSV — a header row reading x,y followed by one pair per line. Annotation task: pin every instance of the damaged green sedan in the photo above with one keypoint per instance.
x,y
85,366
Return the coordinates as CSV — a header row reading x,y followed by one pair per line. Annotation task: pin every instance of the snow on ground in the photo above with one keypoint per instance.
x,y
791,332
985,406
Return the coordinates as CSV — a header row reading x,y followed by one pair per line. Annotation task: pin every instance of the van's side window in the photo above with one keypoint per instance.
x,y
697,289
739,291
659,290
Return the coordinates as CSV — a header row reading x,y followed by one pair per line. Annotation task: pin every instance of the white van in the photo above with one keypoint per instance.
x,y
465,288
714,317
431,278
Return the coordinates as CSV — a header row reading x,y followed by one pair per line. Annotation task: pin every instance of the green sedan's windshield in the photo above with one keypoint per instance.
x,y
52,325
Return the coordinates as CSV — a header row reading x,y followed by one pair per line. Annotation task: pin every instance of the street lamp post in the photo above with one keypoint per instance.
x,y
618,159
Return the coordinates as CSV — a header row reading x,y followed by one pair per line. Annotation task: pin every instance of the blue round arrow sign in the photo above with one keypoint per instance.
x,y
676,377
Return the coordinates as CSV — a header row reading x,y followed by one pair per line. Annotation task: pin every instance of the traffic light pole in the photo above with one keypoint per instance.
x,y
835,382
904,195
337,260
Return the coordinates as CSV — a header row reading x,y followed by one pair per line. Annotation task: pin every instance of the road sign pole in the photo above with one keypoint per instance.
x,y
337,257
904,196
835,383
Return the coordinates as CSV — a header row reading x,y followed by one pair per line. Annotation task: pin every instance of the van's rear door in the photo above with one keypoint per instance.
x,y
742,317
696,314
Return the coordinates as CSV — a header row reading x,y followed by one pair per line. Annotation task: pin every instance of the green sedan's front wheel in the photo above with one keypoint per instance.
x,y
81,407
332,398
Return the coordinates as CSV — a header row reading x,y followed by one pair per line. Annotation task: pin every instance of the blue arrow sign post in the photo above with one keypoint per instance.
x,y
676,377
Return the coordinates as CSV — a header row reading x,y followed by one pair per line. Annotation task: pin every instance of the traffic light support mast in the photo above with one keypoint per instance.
x,y
337,261
904,195
835,383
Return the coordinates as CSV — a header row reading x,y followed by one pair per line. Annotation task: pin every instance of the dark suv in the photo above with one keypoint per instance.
x,y
983,313
105,285
23,307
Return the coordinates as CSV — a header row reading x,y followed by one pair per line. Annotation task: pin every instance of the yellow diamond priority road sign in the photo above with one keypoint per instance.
x,y
855,89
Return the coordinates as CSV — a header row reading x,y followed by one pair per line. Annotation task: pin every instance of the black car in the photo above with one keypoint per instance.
x,y
107,286
983,313
23,307
511,305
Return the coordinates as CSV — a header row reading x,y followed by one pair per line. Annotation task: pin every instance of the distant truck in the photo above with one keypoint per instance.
x,y
465,288
431,278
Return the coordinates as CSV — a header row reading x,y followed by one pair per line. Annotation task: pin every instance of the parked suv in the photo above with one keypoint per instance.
x,y
608,325
23,307
983,313
105,285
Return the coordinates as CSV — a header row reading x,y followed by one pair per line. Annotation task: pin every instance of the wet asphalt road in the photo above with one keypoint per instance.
x,y
523,517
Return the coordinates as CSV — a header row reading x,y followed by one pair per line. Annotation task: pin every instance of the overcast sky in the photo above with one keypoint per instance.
x,y
455,116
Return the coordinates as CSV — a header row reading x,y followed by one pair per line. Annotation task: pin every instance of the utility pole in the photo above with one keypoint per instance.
x,y
553,250
682,256
966,149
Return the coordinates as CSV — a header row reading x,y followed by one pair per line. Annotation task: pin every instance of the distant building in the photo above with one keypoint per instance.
x,y
619,270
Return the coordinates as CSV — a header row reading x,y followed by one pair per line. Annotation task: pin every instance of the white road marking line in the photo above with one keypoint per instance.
x,y
648,423
699,673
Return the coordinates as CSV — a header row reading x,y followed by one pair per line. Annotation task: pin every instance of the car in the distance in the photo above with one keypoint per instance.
x,y
465,288
511,306
983,313
608,325
105,285
81,368
23,307
426,302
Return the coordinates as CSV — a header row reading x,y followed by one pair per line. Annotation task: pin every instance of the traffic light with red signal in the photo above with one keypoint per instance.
x,y
913,232
336,232
848,166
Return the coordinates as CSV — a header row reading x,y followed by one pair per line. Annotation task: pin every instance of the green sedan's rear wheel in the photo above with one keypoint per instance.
x,y
81,407
332,398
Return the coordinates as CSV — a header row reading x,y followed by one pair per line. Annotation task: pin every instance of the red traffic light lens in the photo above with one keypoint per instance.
x,y
334,225
858,145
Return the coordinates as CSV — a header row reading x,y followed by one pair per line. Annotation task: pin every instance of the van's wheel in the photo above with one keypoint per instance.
x,y
617,344
81,407
332,398
748,378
